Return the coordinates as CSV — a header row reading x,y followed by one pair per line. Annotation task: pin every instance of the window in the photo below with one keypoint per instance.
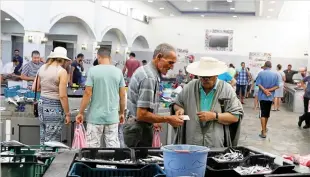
x,y
105,3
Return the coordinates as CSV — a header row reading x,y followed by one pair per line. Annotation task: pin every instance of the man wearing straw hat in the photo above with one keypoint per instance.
x,y
212,105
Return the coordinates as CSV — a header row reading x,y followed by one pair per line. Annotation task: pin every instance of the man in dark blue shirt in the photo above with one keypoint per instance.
x,y
76,70
20,62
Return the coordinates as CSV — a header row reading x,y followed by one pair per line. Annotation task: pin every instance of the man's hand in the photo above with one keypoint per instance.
x,y
79,118
179,112
175,121
206,116
266,92
121,118
157,127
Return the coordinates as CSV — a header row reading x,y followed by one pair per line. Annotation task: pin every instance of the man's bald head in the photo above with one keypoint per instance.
x,y
268,64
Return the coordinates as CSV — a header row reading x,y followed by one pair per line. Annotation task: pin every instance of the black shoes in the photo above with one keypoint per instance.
x,y
300,121
306,126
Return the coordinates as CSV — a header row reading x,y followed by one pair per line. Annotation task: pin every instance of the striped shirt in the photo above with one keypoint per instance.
x,y
30,69
242,78
143,84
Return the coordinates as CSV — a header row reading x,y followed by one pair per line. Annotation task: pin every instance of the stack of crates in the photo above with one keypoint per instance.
x,y
11,91
24,162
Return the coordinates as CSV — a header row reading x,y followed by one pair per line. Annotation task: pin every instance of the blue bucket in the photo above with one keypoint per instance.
x,y
185,160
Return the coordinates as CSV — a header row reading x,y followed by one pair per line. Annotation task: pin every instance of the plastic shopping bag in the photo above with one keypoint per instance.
x,y
156,139
79,140
298,159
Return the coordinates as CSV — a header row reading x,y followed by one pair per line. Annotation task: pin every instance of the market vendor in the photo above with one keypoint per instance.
x,y
30,69
208,125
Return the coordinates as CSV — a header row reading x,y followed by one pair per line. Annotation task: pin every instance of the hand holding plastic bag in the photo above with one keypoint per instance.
x,y
79,140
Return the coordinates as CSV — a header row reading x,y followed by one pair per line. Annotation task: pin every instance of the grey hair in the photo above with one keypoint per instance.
x,y
163,49
104,52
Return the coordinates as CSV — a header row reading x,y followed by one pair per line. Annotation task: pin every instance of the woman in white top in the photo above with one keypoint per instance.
x,y
279,92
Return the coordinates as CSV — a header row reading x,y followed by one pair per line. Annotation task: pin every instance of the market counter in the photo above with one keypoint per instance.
x,y
294,98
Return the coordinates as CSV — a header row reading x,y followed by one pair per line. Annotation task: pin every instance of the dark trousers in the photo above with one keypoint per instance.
x,y
241,88
306,115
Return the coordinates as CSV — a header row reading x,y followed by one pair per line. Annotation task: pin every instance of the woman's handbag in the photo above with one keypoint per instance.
x,y
35,101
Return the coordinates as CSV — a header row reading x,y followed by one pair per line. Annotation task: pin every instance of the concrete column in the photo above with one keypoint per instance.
x,y
34,44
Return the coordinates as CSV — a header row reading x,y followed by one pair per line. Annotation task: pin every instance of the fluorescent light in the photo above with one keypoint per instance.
x,y
235,16
232,8
189,0
150,0
272,2
202,15
229,0
171,15
196,8
270,10
268,17
161,8
7,19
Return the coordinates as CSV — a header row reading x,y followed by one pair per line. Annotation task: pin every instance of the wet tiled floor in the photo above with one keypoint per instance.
x,y
283,137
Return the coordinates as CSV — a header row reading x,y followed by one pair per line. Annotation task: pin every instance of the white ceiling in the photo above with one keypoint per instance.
x,y
258,8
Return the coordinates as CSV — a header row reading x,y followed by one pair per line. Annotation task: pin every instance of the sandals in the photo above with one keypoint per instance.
x,y
262,135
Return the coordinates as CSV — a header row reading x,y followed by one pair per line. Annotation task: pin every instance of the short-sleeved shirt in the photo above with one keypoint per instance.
x,y
105,80
30,69
289,76
143,91
225,77
307,91
77,73
267,79
242,78
180,78
132,65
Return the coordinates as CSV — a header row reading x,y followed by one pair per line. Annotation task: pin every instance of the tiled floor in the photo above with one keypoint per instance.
x,y
283,137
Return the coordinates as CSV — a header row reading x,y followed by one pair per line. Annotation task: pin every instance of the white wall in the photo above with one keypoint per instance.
x,y
281,38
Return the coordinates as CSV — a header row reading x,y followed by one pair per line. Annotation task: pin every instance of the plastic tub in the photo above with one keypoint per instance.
x,y
185,160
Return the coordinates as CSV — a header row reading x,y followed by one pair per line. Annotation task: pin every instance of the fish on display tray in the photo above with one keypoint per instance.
x,y
125,161
253,170
152,159
233,155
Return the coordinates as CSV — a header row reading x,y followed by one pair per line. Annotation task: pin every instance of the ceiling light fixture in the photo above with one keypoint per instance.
x,y
229,0
150,0
196,8
189,0
202,15
235,16
270,10
161,8
272,2
7,19
232,8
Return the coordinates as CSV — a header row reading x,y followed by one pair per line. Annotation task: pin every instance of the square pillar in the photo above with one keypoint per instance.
x,y
34,44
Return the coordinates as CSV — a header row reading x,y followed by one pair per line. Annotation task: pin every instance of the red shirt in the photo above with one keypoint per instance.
x,y
132,65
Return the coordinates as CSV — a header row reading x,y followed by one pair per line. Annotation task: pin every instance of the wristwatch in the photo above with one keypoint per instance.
x,y
216,116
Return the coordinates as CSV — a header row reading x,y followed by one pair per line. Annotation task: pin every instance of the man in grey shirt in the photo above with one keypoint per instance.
x,y
30,69
143,99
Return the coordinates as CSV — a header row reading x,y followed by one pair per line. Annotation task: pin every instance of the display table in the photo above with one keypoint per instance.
x,y
294,98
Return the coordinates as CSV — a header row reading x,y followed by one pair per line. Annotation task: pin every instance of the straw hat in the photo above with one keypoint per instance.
x,y
59,52
207,66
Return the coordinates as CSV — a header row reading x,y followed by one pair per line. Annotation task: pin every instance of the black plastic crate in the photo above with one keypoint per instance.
x,y
145,153
290,175
215,169
83,170
112,156
246,152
